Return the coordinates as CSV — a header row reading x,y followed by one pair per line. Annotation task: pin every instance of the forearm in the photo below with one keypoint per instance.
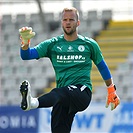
x,y
112,97
105,73
108,82
29,53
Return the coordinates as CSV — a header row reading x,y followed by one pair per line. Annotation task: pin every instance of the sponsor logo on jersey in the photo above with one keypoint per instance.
x,y
70,58
70,49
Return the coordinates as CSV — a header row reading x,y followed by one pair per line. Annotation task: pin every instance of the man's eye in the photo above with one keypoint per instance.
x,y
71,19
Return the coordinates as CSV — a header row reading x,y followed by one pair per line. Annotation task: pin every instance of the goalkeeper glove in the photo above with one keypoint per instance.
x,y
26,34
112,97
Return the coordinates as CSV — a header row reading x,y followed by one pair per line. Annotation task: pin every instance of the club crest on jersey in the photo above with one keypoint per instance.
x,y
81,48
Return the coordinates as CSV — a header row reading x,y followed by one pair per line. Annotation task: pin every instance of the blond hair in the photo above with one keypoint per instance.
x,y
72,9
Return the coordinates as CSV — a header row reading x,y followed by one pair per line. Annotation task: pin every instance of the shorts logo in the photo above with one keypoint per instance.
x,y
81,48
72,87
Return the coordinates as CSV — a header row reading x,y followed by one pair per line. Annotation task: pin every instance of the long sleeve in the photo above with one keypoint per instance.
x,y
30,53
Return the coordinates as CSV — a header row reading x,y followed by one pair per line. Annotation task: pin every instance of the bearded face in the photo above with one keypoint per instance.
x,y
69,22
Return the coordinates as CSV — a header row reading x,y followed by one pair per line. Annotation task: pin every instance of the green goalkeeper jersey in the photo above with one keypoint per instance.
x,y
71,60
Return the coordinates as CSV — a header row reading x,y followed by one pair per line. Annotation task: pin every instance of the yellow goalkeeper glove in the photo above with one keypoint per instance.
x,y
112,97
26,34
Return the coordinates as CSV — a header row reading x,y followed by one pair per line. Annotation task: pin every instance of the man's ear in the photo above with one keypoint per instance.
x,y
78,23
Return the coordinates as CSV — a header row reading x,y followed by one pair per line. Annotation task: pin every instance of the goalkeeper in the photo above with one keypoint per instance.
x,y
71,55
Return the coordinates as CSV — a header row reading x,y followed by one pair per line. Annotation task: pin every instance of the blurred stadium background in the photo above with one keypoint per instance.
x,y
109,22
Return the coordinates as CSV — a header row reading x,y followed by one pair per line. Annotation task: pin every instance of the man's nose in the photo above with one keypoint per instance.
x,y
68,22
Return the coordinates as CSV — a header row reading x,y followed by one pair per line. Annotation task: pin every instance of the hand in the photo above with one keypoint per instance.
x,y
112,97
26,34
